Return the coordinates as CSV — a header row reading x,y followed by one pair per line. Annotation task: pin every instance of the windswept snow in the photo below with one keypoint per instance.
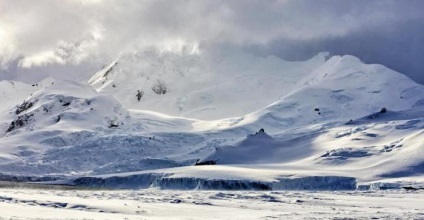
x,y
164,204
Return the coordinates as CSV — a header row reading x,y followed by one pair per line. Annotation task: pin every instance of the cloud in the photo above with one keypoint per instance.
x,y
398,45
50,33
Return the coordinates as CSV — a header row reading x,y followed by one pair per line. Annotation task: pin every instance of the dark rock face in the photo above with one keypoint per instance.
x,y
23,107
208,162
383,110
21,121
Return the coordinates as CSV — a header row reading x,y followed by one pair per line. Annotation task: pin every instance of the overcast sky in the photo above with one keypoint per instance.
x,y
72,38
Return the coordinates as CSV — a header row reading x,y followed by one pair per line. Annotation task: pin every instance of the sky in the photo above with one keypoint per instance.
x,y
72,39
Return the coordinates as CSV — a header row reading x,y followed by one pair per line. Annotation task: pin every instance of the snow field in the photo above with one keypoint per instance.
x,y
164,204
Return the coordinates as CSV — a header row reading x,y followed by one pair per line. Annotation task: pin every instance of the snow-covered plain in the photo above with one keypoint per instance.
x,y
164,204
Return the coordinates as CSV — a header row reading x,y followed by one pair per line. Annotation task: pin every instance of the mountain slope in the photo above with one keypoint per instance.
x,y
343,88
59,114
12,91
385,144
203,86
386,151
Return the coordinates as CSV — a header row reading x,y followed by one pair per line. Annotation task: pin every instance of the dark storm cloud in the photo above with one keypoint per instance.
x,y
49,37
399,46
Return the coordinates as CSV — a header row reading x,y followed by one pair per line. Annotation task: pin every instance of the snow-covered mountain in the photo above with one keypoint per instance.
x,y
322,117
69,103
205,86
45,118
341,89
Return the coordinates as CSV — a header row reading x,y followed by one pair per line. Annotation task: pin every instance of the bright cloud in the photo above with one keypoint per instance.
x,y
71,32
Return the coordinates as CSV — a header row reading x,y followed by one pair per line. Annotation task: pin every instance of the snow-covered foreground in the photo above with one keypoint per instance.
x,y
164,204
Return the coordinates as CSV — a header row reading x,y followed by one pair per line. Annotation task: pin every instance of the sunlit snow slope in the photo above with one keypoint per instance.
x,y
202,86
